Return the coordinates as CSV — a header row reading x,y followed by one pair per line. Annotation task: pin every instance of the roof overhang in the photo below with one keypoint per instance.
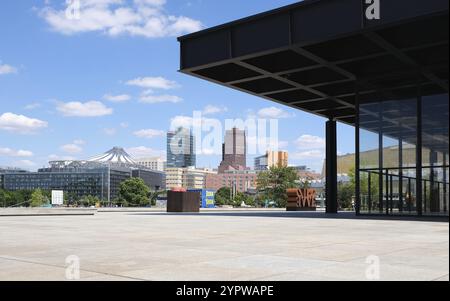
x,y
316,55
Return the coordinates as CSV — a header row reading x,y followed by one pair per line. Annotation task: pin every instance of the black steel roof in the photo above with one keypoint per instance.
x,y
314,55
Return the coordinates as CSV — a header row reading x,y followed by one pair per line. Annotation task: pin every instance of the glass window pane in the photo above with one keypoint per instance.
x,y
435,116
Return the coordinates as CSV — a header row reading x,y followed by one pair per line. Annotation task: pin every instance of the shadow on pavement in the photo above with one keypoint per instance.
x,y
312,215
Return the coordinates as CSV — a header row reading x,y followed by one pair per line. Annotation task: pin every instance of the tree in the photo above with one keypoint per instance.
x,y
134,192
242,198
88,201
154,195
273,184
223,196
38,198
346,191
5,198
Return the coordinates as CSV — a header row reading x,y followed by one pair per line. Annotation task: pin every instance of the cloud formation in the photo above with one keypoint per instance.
x,y
8,152
274,113
73,148
7,69
117,98
153,83
21,124
149,133
145,152
83,109
145,18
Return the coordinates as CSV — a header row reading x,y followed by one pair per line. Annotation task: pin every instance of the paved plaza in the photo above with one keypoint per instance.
x,y
222,246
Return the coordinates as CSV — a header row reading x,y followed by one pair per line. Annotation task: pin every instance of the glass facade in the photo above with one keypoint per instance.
x,y
75,184
181,148
81,179
402,153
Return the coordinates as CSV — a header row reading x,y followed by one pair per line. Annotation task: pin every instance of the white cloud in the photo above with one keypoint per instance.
x,y
86,109
110,131
146,18
273,113
79,142
310,151
32,106
124,125
21,124
211,109
117,98
182,121
144,152
149,133
73,148
153,83
154,99
8,152
282,144
310,154
307,142
188,122
7,69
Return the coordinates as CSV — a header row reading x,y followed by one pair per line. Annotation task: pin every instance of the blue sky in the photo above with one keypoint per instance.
x,y
74,88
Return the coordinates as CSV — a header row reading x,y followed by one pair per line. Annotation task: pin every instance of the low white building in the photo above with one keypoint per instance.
x,y
155,163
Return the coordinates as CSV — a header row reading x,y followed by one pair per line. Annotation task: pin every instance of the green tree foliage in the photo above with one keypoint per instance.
x,y
154,195
38,198
273,184
242,198
223,196
346,192
88,201
134,193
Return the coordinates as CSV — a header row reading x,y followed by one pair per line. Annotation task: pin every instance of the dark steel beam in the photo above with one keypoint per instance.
x,y
293,83
331,167
374,37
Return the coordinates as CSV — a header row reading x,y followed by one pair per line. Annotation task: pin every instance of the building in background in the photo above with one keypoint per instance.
x,y
238,180
187,178
155,163
181,148
234,150
206,197
99,177
272,159
9,170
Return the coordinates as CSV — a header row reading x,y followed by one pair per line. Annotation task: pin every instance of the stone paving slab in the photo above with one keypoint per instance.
x,y
222,246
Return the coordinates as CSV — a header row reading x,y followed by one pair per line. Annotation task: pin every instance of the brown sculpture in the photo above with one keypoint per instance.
x,y
301,200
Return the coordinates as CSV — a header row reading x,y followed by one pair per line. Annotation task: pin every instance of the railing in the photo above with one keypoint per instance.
x,y
398,191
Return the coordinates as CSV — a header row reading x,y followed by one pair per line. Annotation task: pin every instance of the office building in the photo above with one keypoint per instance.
x,y
271,159
238,180
385,75
155,163
187,178
234,150
9,170
180,148
99,177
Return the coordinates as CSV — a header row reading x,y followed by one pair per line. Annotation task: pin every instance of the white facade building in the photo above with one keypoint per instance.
x,y
155,163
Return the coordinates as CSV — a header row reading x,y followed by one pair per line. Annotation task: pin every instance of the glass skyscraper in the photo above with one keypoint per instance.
x,y
181,148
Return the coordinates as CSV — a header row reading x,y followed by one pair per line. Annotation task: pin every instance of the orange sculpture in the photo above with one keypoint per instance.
x,y
301,200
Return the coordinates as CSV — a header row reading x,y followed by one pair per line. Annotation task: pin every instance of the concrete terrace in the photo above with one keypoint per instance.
x,y
233,245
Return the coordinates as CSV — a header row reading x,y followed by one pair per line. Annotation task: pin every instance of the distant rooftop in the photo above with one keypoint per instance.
x,y
114,155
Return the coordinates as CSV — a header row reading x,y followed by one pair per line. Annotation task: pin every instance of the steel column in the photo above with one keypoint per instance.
x,y
331,166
